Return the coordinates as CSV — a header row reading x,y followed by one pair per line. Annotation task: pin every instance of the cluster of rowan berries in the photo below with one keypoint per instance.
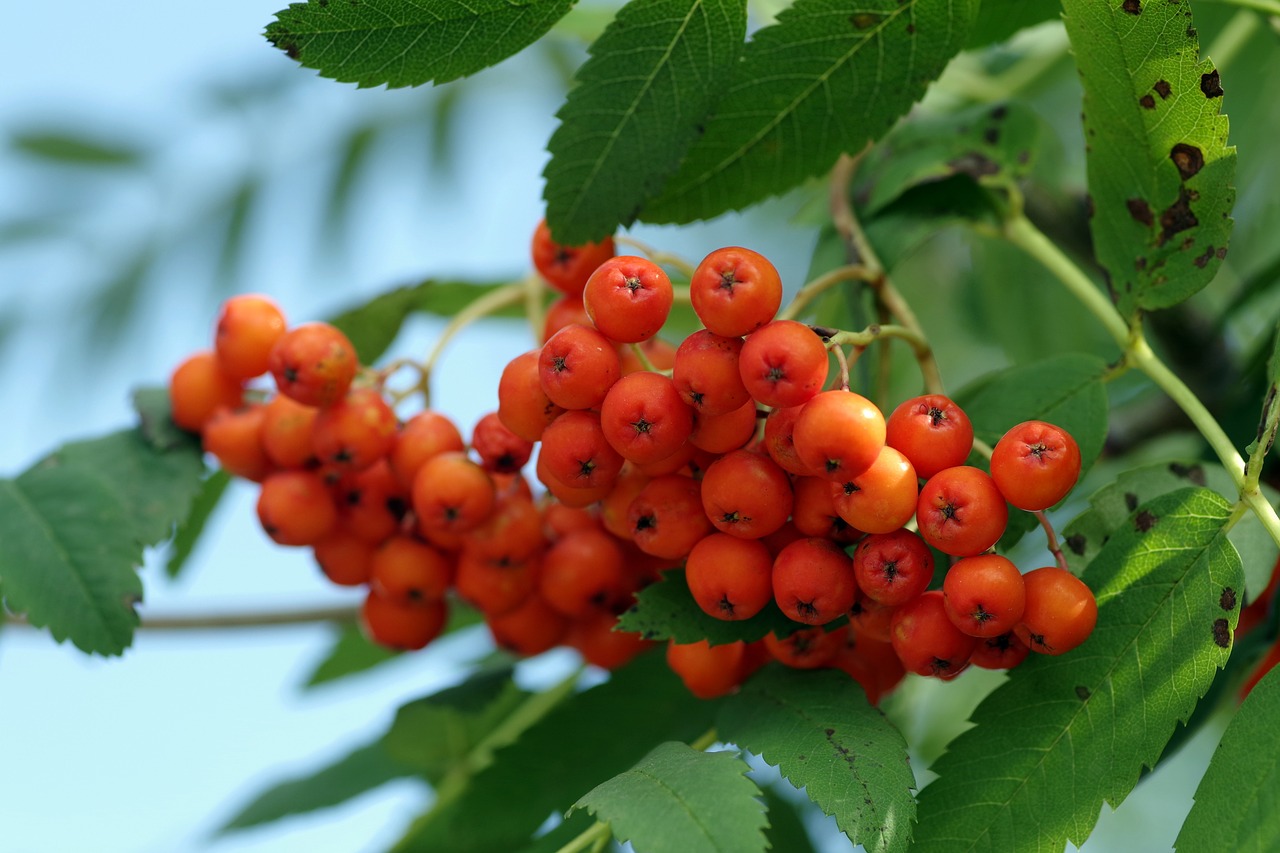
x,y
723,455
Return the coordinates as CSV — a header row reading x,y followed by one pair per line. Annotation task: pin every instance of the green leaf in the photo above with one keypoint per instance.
x,y
351,653
409,42
191,528
1237,804
819,730
999,20
653,76
75,148
438,732
155,419
568,830
1065,390
586,739
373,326
362,770
987,144
828,77
666,611
681,800
900,228
1111,505
1068,732
69,558
1160,172
74,527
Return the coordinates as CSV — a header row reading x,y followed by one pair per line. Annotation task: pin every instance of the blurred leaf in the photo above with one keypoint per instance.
x,y
567,752
666,610
999,20
76,148
565,832
681,800
826,79
239,209
1160,172
155,419
351,653
117,299
355,150
74,527
987,144
1076,730
409,42
373,326
820,731
31,228
362,770
1237,804
192,527
437,733
786,832
641,100
1111,505
1066,391
897,231
444,118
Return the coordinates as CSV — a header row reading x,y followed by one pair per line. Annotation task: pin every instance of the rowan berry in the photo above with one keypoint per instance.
x,y
814,510
706,373
746,494
523,406
893,568
735,291
529,629
451,494
931,431
577,453
314,364
408,569
1003,651
628,298
839,434
805,648
1035,464
583,573
400,624
286,433
422,437
666,517
730,578
813,581
961,512
501,451
577,366
708,671
371,503
880,499
1060,611
198,388
783,363
567,268
644,418
247,328
294,508
355,431
726,432
235,439
779,440
926,641
600,644
344,558
984,595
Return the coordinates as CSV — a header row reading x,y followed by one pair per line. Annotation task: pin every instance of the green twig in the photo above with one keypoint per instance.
x,y
491,302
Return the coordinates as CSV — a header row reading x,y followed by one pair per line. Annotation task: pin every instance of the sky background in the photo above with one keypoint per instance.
x,y
150,752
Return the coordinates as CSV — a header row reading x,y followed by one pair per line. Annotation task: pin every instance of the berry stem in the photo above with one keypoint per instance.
x,y
491,302
1054,548
1262,445
1138,354
843,361
597,833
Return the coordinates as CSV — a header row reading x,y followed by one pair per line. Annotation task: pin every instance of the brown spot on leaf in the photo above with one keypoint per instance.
x,y
864,20
1221,252
1147,102
1000,112
1145,521
1163,89
991,135
1194,473
1227,601
1188,158
1211,84
974,164
1082,693
1202,261
1133,7
1077,543
1131,501
911,29
1139,264
1177,218
1140,211
1222,633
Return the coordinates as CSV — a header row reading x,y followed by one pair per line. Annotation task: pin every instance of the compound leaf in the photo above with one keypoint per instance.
x,y
681,800
821,732
192,527
1160,170
998,20
409,42
652,77
827,78
1237,804
666,611
1075,730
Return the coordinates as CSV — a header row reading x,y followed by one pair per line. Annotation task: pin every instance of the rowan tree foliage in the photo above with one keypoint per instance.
x,y
1036,209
